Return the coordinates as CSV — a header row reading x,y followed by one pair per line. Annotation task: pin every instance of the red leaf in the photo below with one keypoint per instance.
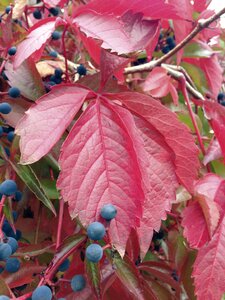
x,y
201,5
37,37
216,114
159,84
110,64
209,267
176,135
213,152
122,35
102,153
45,122
155,9
159,186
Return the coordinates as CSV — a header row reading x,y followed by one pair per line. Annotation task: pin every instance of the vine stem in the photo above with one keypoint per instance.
x,y
59,230
64,53
199,27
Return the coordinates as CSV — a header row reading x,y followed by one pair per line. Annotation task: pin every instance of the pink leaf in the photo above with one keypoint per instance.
x,y
201,5
37,37
213,152
122,35
99,165
45,122
176,135
155,9
196,232
209,267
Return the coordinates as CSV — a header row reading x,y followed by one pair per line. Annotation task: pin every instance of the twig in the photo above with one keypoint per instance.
x,y
65,55
200,26
60,221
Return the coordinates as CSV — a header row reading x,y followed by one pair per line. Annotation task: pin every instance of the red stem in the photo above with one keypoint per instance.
x,y
64,53
2,65
59,230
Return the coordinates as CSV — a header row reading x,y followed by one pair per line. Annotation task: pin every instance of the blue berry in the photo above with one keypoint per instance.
x,y
18,196
220,97
42,293
16,236
3,297
53,53
6,227
64,266
165,49
94,253
10,136
55,79
37,14
108,212
78,283
12,51
8,187
1,131
81,70
13,244
5,251
56,35
170,40
172,45
14,92
7,9
58,73
222,102
12,265
5,108
96,231
54,11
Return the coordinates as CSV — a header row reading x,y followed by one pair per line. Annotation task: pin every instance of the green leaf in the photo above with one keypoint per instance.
x,y
94,277
196,50
50,189
28,176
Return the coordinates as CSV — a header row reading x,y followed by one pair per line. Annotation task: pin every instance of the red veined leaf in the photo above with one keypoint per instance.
x,y
209,266
122,35
102,153
213,152
45,122
216,114
110,64
36,38
160,183
155,9
176,135
196,232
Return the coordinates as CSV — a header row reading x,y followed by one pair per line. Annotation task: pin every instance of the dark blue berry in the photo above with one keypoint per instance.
x,y
7,151
55,79
5,108
81,70
37,14
53,53
8,187
12,265
16,236
64,266
5,251
54,11
8,129
96,231
42,293
12,51
222,102
56,35
221,97
6,227
172,45
13,244
94,253
58,73
170,40
10,136
7,9
165,49
14,92
78,283
18,196
108,212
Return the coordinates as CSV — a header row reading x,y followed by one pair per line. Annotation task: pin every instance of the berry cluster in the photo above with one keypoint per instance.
x,y
54,11
166,42
5,107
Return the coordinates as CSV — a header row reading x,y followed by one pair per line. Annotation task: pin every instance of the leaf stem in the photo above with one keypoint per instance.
x,y
199,27
60,221
64,53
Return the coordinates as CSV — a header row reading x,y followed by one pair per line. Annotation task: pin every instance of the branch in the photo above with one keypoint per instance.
x,y
200,26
